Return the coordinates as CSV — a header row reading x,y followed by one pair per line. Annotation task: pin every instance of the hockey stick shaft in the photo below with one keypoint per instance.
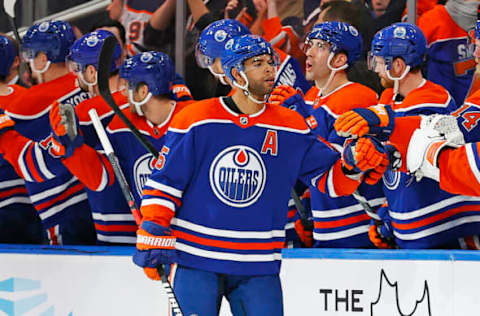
x,y
122,181
364,203
104,62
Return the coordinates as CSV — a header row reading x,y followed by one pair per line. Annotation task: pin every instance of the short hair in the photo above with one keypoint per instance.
x,y
341,11
111,23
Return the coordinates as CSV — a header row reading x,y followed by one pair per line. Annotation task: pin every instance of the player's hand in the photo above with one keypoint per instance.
x,y
381,232
304,229
179,90
6,123
376,120
362,154
393,160
155,246
64,126
288,97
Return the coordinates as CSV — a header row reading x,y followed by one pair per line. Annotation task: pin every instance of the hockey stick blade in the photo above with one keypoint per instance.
x,y
104,62
9,7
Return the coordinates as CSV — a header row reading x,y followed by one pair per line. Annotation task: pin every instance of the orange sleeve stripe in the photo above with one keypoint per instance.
x,y
456,175
343,185
228,244
13,191
342,222
292,213
31,164
437,218
400,138
160,193
157,213
76,188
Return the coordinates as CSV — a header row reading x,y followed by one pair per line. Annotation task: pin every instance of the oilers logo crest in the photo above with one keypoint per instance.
x,y
391,179
141,171
237,176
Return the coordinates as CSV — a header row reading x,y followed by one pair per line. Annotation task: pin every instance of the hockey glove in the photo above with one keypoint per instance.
x,y
360,155
155,246
393,160
64,125
381,232
179,90
376,120
304,229
6,123
288,97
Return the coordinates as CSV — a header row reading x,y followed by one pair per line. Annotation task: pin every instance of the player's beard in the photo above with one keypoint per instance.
x,y
260,89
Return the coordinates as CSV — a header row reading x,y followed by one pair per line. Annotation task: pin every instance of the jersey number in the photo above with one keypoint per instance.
x,y
161,157
470,120
135,30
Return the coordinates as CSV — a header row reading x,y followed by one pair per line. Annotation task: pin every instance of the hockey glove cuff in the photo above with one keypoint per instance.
x,y
64,126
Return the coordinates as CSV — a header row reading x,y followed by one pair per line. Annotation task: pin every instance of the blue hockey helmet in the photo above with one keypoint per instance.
x,y
8,52
86,50
211,42
402,40
155,69
477,30
241,48
342,37
54,38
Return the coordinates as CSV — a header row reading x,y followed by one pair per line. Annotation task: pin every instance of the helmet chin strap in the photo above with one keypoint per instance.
x,y
397,79
39,71
138,105
332,72
90,85
220,77
245,88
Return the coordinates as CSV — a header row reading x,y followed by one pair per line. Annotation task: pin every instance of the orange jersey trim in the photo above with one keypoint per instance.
x,y
228,244
341,222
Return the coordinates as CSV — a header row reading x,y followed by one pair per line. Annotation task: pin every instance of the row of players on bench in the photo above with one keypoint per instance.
x,y
409,211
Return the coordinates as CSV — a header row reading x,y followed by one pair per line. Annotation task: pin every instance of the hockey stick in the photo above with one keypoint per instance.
x,y
9,7
364,203
104,62
107,147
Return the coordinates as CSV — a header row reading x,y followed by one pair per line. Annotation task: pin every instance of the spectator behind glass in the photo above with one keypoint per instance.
x,y
343,11
385,12
148,24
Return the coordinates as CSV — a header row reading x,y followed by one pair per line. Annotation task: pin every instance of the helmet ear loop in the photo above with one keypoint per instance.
x,y
245,88
397,79
333,70
39,71
220,77
138,105
90,85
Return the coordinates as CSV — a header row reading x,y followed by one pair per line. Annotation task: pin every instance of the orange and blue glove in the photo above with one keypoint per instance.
x,y
288,97
363,154
179,90
380,233
378,121
155,246
64,125
304,229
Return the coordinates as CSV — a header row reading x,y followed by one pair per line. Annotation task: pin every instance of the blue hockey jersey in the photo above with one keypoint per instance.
x,y
223,184
450,60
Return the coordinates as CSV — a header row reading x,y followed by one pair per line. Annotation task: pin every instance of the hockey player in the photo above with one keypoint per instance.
x,y
415,217
61,201
216,201
19,221
332,48
450,61
150,77
211,44
428,144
